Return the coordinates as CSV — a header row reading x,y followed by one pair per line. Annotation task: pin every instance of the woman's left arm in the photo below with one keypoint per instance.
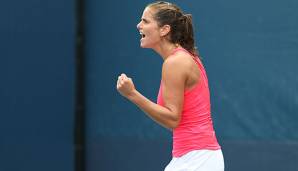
x,y
173,82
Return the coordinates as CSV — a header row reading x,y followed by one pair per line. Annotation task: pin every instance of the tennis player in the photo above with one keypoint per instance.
x,y
183,102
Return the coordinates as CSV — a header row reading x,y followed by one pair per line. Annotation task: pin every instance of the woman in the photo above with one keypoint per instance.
x,y
183,103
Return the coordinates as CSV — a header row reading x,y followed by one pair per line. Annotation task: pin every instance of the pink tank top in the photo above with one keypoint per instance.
x,y
195,130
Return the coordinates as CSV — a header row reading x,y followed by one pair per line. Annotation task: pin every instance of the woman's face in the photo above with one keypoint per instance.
x,y
149,29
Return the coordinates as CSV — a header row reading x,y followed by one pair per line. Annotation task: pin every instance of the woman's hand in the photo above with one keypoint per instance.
x,y
125,86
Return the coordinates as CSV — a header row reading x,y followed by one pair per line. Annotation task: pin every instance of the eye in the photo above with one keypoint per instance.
x,y
144,20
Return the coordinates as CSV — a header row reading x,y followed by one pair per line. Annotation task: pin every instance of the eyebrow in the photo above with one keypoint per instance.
x,y
143,19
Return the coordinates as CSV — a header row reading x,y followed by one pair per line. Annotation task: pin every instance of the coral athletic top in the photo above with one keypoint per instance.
x,y
195,130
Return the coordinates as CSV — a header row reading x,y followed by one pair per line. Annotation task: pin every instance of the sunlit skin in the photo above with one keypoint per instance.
x,y
179,73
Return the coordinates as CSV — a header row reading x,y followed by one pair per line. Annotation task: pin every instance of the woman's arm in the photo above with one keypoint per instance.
x,y
173,82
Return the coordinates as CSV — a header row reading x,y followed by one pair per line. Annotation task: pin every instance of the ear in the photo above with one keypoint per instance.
x,y
164,30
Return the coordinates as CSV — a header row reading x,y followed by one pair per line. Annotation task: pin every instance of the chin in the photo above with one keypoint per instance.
x,y
143,46
147,46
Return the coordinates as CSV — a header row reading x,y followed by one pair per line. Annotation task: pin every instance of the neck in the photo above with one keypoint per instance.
x,y
165,49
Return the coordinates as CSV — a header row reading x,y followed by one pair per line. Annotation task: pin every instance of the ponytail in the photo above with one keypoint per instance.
x,y
181,24
186,39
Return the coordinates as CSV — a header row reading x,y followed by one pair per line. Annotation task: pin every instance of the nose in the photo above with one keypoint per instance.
x,y
139,25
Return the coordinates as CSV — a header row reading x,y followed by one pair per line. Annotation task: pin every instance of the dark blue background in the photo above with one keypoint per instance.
x,y
37,67
250,52
249,49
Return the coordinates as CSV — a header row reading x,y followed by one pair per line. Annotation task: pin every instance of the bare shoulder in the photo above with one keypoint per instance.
x,y
178,60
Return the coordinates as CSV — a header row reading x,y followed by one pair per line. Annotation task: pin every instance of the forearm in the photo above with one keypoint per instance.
x,y
159,114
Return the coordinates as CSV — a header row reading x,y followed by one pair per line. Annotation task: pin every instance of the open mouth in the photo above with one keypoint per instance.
x,y
142,35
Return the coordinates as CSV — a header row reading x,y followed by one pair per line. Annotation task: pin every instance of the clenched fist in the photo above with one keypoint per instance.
x,y
125,85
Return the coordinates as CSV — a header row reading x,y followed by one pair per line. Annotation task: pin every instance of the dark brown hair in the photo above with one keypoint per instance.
x,y
181,24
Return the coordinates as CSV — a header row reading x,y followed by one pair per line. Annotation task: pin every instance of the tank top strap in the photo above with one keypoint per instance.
x,y
197,61
195,58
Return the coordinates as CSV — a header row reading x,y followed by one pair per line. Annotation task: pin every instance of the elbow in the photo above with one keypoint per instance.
x,y
174,123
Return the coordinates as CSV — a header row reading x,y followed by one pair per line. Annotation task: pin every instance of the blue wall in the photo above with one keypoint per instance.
x,y
249,49
37,53
250,52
